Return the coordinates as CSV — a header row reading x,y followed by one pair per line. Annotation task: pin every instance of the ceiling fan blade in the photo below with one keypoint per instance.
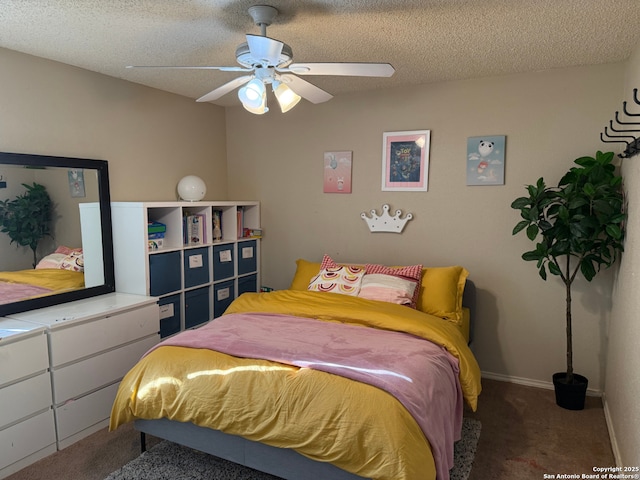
x,y
224,89
305,89
346,69
265,49
179,67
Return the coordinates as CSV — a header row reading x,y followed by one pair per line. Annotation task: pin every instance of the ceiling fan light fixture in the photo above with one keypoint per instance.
x,y
257,111
253,94
287,98
260,109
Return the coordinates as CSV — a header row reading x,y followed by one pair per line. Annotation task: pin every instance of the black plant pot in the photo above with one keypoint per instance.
x,y
570,395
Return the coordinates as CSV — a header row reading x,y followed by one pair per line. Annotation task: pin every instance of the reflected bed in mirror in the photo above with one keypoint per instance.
x,y
68,257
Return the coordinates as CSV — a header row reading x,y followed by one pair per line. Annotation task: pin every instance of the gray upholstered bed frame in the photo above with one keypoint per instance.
x,y
281,462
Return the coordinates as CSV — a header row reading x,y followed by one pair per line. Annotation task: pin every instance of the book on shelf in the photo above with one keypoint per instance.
x,y
156,227
194,229
240,223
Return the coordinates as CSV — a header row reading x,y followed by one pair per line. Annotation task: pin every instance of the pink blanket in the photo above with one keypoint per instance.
x,y
420,374
14,292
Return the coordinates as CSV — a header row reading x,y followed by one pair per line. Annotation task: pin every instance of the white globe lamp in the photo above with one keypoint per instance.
x,y
191,188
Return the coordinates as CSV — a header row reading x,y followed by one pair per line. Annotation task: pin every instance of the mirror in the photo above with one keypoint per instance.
x,y
73,255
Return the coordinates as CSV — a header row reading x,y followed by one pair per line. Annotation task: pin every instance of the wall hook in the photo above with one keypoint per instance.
x,y
602,139
620,131
633,145
627,112
624,123
606,132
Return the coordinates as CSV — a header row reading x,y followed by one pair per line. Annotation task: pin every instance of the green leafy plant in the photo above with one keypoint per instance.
x,y
577,226
26,218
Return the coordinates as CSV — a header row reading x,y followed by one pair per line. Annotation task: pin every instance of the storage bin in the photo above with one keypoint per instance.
x,y
196,307
223,266
196,267
223,295
247,257
164,273
170,315
248,283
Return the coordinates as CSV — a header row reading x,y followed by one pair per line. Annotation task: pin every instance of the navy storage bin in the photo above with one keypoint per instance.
x,y
196,267
169,315
164,273
196,307
247,284
222,262
223,295
247,257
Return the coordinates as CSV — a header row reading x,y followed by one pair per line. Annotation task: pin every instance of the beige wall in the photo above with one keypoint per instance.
x,y
622,388
150,138
550,118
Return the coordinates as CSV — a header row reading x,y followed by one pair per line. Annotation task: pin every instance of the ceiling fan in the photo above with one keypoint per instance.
x,y
267,61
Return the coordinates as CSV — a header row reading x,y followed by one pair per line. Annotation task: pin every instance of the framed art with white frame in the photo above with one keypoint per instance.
x,y
405,161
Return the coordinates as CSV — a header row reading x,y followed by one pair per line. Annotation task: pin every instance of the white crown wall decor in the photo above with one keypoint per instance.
x,y
385,222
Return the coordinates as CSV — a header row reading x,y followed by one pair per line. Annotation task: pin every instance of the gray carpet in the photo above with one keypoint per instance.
x,y
169,461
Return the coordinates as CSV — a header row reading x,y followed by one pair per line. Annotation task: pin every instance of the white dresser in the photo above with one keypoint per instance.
x,y
27,429
92,344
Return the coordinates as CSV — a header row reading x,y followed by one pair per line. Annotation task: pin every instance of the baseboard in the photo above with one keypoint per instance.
x,y
529,382
612,433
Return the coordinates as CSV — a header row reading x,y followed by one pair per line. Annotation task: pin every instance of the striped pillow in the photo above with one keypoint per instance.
x,y
387,288
411,273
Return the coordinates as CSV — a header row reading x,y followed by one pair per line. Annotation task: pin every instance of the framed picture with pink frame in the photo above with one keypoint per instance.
x,y
405,160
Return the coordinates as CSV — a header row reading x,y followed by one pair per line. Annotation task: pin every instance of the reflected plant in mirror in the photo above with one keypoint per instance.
x,y
26,218
55,243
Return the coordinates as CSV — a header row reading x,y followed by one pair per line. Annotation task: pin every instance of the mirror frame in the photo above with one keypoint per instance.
x,y
104,200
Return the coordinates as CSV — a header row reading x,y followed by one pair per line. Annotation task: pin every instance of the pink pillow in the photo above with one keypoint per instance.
x,y
413,272
67,250
328,262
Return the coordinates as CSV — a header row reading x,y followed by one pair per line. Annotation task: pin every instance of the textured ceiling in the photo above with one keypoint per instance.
x,y
425,40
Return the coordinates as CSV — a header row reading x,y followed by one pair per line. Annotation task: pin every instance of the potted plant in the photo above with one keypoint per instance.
x,y
26,218
577,226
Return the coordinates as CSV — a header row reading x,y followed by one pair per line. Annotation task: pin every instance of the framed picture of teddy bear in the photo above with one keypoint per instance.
x,y
485,160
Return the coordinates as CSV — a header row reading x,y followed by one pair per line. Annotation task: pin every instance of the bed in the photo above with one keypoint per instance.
x,y
25,284
311,383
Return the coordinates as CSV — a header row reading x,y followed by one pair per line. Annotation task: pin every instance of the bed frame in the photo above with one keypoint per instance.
x,y
281,462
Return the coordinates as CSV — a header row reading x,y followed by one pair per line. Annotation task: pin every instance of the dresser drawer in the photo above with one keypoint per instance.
x,y
25,398
76,379
78,415
25,438
23,358
88,338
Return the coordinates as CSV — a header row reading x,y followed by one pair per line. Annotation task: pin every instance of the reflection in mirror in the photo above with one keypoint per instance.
x,y
69,243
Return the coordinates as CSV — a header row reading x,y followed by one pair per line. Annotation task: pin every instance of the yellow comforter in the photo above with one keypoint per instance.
x,y
355,426
55,279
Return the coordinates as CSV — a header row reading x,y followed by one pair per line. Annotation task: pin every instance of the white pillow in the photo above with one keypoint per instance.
x,y
53,260
387,288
